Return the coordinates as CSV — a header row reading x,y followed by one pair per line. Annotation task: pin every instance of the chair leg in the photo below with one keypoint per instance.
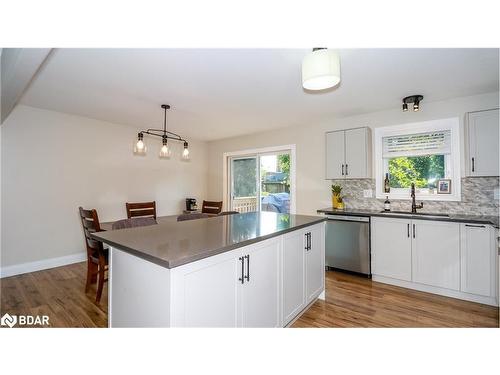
x,y
100,283
91,274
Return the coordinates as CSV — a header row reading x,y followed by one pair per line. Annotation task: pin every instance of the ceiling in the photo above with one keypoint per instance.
x,y
219,93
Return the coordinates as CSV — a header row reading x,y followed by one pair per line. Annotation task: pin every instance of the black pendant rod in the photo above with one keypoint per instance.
x,y
163,132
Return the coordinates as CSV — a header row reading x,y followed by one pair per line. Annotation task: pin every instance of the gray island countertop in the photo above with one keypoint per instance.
x,y
171,243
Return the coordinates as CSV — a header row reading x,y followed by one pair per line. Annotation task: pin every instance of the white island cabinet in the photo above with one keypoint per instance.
x,y
265,284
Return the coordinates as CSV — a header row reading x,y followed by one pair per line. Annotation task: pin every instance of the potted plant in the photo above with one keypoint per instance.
x,y
336,196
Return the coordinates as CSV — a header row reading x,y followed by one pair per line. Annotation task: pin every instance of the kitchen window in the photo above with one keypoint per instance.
x,y
420,153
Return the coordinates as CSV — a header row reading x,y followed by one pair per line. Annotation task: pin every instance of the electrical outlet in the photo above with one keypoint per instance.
x,y
368,193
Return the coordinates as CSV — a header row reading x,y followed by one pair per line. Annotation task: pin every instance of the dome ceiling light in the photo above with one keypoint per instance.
x,y
165,151
321,69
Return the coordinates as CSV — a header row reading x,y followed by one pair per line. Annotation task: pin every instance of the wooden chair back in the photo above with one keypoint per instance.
x,y
210,207
90,223
141,209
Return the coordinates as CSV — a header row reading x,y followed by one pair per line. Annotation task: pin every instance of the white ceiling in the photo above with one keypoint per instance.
x,y
219,93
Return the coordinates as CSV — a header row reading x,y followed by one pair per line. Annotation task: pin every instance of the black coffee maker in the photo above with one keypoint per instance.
x,y
191,204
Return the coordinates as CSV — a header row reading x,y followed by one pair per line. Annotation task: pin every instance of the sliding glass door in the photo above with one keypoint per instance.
x,y
260,182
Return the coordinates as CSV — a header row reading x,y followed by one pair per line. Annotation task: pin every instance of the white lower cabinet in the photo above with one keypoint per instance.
x,y
266,284
447,258
303,265
391,247
436,253
478,265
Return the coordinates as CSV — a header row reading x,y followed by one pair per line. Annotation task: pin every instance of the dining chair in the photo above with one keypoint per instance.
x,y
97,255
193,216
141,209
224,213
134,222
210,207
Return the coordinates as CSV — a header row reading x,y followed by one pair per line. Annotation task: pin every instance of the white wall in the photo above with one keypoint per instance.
x,y
313,191
51,163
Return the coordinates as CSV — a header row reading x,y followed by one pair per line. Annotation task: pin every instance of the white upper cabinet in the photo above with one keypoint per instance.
x,y
482,143
436,253
335,155
348,154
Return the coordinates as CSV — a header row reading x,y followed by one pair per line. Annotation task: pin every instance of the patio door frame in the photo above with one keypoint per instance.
x,y
227,170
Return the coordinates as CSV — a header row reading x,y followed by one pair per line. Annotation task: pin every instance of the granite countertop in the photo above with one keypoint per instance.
x,y
452,217
171,243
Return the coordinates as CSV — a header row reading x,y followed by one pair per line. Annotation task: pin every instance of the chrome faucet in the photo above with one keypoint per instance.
x,y
414,206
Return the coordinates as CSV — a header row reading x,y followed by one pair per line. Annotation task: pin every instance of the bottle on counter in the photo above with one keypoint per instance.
x,y
387,204
387,186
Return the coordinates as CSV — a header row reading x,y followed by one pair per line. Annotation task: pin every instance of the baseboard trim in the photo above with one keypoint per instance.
x,y
492,301
18,269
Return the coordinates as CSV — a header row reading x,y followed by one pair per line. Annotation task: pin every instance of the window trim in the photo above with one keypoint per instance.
x,y
420,127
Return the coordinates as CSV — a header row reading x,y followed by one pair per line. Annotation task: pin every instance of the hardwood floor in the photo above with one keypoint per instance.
x,y
58,293
351,301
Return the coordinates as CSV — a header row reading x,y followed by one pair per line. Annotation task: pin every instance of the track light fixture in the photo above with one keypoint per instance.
x,y
415,99
165,151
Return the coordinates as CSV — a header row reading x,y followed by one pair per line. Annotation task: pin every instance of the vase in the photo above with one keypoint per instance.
x,y
335,201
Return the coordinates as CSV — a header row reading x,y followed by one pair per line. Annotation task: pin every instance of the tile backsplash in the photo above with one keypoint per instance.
x,y
477,197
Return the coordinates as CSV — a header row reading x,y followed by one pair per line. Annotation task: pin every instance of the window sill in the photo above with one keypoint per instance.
x,y
437,197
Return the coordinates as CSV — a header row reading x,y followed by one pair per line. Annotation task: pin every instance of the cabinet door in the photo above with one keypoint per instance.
x,y
294,268
205,292
259,295
356,151
478,265
391,248
315,262
483,143
335,156
436,253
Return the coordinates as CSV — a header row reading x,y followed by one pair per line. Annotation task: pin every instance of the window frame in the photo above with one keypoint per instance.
x,y
452,124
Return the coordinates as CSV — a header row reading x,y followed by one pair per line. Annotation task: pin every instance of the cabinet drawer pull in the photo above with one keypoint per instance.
x,y
242,278
346,170
408,230
413,230
309,241
473,166
248,267
342,169
475,226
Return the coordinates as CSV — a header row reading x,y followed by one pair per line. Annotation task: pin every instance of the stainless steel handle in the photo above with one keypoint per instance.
x,y
346,170
248,267
342,169
408,230
242,278
309,241
306,247
413,230
475,226
473,167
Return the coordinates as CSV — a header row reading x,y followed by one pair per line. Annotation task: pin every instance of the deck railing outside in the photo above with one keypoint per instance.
x,y
245,204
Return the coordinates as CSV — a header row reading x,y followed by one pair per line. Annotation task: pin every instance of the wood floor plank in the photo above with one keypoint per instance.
x,y
351,301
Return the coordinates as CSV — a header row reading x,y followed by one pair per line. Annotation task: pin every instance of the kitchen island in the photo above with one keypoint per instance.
x,y
258,269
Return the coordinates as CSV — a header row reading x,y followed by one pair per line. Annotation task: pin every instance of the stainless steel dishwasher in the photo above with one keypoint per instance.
x,y
348,243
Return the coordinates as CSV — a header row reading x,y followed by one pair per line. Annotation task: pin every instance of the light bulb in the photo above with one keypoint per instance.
x,y
185,152
165,150
140,146
405,107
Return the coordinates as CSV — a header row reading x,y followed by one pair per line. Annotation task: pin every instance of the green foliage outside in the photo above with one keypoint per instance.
x,y
424,171
244,175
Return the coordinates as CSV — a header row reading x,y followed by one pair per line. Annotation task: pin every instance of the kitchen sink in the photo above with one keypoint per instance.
x,y
414,214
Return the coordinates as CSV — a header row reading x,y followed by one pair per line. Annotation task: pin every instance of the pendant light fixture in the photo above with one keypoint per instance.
x,y
165,150
320,69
